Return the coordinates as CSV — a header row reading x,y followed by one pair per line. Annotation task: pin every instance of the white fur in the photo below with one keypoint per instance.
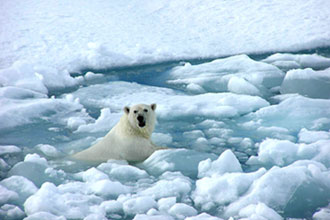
x,y
126,140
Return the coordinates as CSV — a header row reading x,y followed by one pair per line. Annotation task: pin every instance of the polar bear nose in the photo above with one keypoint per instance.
x,y
140,118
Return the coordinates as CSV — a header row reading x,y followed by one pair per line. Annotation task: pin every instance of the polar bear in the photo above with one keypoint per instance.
x,y
128,140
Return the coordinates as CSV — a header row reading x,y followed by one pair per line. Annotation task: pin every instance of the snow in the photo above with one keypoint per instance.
x,y
77,35
244,112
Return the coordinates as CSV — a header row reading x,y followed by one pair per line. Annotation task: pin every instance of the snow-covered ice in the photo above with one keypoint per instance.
x,y
243,103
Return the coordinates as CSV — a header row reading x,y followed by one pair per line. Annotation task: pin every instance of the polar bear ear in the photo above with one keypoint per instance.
x,y
153,106
126,110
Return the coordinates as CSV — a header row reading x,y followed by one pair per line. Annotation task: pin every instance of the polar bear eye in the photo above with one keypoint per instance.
x,y
145,110
135,111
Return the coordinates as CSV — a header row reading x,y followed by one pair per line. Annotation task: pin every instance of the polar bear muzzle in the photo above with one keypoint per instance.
x,y
141,120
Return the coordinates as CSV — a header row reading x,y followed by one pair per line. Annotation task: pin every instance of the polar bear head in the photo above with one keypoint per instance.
x,y
142,118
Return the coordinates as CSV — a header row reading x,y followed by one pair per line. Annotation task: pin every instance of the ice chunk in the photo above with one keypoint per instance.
x,y
220,190
169,102
11,212
323,214
16,112
276,152
295,61
44,215
55,79
108,189
92,76
22,75
164,204
241,86
104,122
48,150
112,206
139,205
259,211
307,82
22,186
92,175
36,170
177,186
182,210
203,216
95,216
303,184
9,149
122,172
152,217
283,152
7,195
299,110
183,160
161,139
12,92
307,136
227,162
238,74
35,158
69,205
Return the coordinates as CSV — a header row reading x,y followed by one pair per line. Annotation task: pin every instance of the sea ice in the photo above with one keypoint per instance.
x,y
182,210
174,160
22,186
223,189
259,211
307,136
11,212
288,61
226,163
9,149
282,152
161,31
300,111
322,214
238,74
7,195
139,205
17,112
69,205
169,102
169,186
44,215
307,82
302,184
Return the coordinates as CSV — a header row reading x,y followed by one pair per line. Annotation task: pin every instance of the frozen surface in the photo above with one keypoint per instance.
x,y
288,61
307,82
248,135
243,151
81,34
237,74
